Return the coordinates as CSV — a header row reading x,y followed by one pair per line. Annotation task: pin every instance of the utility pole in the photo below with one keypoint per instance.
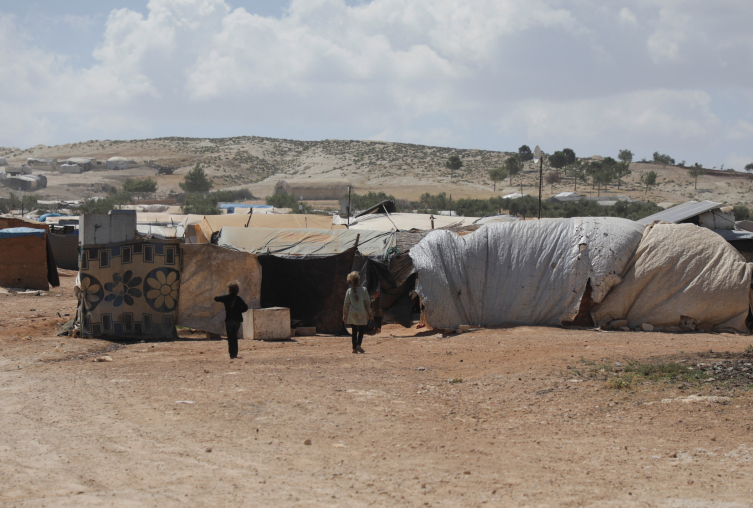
x,y
348,205
538,156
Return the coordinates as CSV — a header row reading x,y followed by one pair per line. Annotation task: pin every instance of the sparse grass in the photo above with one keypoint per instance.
x,y
749,349
620,376
455,380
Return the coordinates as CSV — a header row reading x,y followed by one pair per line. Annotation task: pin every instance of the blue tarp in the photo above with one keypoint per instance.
x,y
225,206
43,217
15,232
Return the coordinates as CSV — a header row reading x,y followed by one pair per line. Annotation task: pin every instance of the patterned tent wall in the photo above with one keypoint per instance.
x,y
130,289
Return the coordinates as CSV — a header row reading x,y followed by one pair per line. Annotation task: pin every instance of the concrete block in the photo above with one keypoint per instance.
x,y
272,323
305,331
100,229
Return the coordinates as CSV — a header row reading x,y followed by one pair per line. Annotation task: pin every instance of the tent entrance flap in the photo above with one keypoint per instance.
x,y
312,288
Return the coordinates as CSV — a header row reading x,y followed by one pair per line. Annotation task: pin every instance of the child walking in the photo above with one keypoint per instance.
x,y
357,310
234,309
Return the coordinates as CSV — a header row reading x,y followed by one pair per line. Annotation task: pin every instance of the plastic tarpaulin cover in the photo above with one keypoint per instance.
x,y
206,270
521,273
305,242
681,270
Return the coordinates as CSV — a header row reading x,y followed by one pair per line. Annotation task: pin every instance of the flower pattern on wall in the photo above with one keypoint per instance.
x,y
161,289
90,292
123,289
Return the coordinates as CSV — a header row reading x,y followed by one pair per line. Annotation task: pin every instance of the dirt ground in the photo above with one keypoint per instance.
x,y
178,423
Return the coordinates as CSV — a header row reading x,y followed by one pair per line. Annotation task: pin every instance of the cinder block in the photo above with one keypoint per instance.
x,y
272,323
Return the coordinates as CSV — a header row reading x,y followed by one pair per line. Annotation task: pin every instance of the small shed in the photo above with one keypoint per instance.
x,y
42,164
32,264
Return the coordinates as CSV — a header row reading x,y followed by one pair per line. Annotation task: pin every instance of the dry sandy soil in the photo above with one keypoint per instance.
x,y
178,423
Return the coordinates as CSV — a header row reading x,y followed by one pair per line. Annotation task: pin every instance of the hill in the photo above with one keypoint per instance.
x,y
404,170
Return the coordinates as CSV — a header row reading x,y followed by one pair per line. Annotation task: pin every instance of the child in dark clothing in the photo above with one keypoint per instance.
x,y
234,309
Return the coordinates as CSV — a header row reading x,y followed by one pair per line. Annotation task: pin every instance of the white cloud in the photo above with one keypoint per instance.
x,y
489,74
627,16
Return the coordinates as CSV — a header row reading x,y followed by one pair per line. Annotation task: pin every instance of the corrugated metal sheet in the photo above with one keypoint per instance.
x,y
680,212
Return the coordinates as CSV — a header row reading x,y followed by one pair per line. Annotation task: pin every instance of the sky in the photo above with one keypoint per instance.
x,y
673,76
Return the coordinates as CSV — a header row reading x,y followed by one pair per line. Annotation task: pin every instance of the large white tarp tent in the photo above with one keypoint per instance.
x,y
681,270
522,272
116,163
305,242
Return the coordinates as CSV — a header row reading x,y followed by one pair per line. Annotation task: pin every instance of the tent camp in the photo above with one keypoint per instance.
x,y
200,267
116,163
523,272
28,261
681,276
305,242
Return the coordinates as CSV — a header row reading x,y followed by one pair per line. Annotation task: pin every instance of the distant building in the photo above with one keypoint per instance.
x,y
42,164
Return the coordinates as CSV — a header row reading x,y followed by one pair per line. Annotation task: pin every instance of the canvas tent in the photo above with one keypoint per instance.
x,y
305,242
403,221
681,275
523,272
292,220
116,163
28,261
212,224
201,265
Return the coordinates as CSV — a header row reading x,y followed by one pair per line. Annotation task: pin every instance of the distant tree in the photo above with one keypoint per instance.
x,y
453,163
741,212
695,172
497,175
558,160
663,159
621,170
570,154
648,179
749,167
552,178
625,156
102,205
591,169
513,165
525,153
199,204
144,185
603,173
578,172
196,180
283,200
